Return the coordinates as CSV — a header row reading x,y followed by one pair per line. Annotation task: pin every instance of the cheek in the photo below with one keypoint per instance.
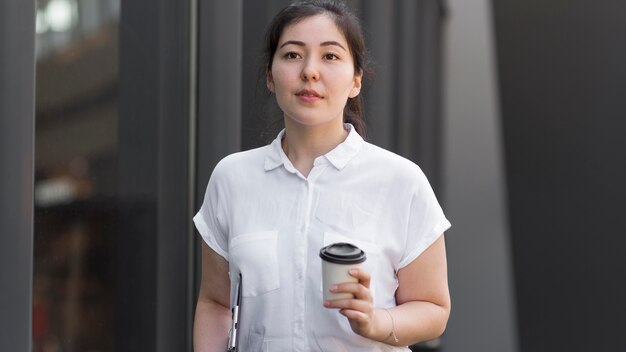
x,y
281,78
344,89
343,80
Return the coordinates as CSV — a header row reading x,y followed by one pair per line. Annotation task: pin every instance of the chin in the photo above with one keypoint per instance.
x,y
311,121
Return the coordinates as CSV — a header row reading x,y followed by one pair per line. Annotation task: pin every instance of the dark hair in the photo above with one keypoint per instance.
x,y
349,26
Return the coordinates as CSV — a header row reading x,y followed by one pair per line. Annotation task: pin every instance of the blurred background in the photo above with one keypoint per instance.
x,y
113,115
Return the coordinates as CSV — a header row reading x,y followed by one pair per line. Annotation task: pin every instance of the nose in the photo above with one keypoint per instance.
x,y
310,71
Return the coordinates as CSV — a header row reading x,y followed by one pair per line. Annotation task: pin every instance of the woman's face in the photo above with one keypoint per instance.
x,y
312,73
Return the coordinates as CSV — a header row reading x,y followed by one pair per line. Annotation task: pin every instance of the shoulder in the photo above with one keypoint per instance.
x,y
389,162
391,171
240,164
244,158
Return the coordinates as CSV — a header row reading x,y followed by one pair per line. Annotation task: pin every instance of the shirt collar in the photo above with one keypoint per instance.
x,y
339,157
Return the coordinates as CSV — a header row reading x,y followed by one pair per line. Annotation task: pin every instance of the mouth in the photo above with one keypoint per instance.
x,y
308,93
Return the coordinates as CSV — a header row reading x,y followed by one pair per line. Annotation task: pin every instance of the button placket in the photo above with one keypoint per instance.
x,y
302,228
300,268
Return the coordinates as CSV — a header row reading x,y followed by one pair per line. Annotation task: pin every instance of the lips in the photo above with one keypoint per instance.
x,y
310,93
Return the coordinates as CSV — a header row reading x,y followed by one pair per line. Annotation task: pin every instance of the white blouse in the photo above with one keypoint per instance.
x,y
269,222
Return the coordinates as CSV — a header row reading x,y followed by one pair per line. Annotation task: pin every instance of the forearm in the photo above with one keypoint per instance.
x,y
413,322
211,325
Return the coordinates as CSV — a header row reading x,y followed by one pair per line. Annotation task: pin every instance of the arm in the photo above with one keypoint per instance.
x,y
423,297
423,302
213,316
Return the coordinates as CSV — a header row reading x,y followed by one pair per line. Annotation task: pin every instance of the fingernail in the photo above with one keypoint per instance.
x,y
353,271
333,288
326,303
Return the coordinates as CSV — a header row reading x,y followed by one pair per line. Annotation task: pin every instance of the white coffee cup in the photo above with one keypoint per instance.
x,y
337,260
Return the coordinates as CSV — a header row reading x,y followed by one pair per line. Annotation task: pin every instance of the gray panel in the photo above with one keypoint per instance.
x,y
17,121
378,23
219,85
137,165
563,85
219,102
428,142
407,75
403,95
261,118
479,257
417,88
174,290
257,107
154,151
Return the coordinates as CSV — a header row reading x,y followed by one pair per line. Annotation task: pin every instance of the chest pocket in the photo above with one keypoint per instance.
x,y
347,213
255,256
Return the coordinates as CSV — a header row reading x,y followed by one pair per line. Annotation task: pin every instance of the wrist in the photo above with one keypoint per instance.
x,y
384,327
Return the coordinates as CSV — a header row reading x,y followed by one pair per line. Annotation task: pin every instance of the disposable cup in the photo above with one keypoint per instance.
x,y
337,260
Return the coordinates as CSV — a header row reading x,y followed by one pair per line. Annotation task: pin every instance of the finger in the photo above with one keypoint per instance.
x,y
356,288
355,315
363,276
352,304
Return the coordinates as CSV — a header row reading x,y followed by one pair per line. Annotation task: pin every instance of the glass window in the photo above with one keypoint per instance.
x,y
74,279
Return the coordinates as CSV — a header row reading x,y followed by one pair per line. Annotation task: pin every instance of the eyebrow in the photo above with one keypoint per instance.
x,y
326,43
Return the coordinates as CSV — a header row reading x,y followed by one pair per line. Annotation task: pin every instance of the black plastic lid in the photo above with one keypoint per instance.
x,y
342,253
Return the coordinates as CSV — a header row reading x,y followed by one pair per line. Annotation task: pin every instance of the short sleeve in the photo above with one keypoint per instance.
x,y
426,221
211,220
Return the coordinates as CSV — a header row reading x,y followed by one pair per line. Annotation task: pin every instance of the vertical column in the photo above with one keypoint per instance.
x,y
378,21
261,118
174,289
563,112
406,76
219,95
479,255
219,113
139,111
427,141
17,122
154,182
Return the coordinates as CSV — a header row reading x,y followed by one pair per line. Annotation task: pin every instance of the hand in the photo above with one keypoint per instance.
x,y
360,309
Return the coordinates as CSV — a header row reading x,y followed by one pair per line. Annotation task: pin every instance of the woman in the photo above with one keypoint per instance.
x,y
268,211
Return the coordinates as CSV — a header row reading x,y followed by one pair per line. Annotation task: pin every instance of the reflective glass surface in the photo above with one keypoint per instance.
x,y
74,279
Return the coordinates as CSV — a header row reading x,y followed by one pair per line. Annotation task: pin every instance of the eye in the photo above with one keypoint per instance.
x,y
330,57
291,55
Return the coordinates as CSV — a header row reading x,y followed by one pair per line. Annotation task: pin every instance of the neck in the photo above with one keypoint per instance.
x,y
302,144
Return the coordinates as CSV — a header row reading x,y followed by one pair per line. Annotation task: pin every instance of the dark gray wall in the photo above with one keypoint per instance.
x,y
155,273
217,130
563,87
403,98
17,126
479,257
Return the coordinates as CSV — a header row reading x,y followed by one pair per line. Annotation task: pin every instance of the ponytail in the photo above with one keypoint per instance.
x,y
353,114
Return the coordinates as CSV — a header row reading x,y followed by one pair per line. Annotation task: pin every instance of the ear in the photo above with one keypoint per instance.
x,y
269,80
356,88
